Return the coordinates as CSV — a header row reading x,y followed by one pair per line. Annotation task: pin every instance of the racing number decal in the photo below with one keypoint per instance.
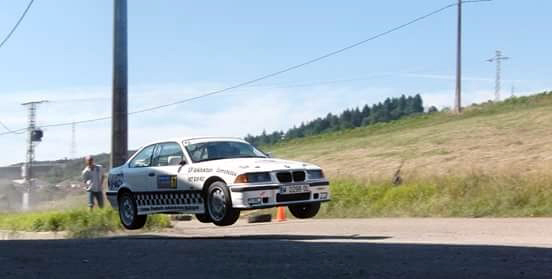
x,y
166,182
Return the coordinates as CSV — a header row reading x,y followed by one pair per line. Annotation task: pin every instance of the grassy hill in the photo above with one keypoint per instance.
x,y
510,137
492,160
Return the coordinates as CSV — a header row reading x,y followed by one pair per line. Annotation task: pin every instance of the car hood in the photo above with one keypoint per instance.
x,y
242,165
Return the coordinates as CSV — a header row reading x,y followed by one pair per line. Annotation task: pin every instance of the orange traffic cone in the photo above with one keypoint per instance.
x,y
281,214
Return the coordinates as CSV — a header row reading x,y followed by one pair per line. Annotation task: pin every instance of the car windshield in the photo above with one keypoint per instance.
x,y
215,150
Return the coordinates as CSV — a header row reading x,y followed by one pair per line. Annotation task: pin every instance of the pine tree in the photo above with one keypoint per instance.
x,y
390,109
418,103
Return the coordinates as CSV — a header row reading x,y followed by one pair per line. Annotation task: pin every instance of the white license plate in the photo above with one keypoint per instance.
x,y
294,189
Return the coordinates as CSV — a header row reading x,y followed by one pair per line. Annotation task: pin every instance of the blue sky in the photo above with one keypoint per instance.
x,y
177,49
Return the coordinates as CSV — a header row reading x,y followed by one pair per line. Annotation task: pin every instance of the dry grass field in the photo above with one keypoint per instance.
x,y
511,137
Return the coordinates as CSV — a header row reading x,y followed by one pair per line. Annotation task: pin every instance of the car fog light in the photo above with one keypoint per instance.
x,y
254,201
323,196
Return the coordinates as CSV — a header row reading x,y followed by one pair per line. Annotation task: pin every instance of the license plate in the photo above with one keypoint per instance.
x,y
293,189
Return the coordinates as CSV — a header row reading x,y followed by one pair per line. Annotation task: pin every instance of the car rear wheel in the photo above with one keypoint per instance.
x,y
304,211
219,205
128,213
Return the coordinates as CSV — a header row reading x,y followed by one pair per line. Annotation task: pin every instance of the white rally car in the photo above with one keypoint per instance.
x,y
213,178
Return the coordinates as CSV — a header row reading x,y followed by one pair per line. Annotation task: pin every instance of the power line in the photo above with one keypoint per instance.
x,y
5,127
267,76
300,64
15,132
10,131
17,24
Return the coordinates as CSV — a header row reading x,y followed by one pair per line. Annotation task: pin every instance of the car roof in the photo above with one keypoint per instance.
x,y
181,139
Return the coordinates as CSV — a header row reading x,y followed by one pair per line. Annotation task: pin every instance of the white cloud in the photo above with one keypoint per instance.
x,y
234,113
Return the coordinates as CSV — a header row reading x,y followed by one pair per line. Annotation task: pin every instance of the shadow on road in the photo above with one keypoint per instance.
x,y
253,237
273,256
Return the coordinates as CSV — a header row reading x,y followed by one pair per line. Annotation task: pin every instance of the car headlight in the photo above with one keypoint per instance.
x,y
254,177
315,174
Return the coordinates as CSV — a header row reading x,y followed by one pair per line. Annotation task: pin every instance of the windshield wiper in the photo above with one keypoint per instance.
x,y
248,156
230,157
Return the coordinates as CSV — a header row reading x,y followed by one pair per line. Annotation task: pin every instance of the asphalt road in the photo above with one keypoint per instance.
x,y
353,248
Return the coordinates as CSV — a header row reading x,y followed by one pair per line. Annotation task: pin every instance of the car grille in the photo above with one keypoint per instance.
x,y
292,197
298,176
286,177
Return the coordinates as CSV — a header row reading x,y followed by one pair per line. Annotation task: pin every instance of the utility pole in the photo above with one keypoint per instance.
x,y
73,151
498,59
33,136
119,124
458,96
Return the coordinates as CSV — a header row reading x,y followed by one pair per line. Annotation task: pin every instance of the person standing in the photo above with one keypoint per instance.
x,y
93,177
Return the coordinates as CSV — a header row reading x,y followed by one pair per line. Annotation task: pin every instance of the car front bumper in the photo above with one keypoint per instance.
x,y
270,195
112,198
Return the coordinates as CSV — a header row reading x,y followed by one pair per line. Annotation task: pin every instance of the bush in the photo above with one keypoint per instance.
x,y
476,195
77,222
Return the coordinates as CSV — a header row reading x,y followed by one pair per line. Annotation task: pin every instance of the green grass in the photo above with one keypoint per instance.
x,y
476,195
80,223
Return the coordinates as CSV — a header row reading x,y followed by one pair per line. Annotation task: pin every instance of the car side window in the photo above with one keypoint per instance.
x,y
143,159
241,149
164,151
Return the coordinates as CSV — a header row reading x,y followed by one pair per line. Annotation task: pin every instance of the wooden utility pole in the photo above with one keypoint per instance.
x,y
458,95
119,126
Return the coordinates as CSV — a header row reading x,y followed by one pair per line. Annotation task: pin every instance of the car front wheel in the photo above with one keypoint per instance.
x,y
304,211
203,218
219,205
128,213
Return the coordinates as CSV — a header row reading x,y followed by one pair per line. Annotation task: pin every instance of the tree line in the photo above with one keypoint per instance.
x,y
390,109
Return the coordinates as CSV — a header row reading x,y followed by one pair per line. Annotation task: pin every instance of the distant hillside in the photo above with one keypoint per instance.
x,y
509,137
391,109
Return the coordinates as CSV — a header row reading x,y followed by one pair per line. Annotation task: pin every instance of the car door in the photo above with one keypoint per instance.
x,y
170,173
139,174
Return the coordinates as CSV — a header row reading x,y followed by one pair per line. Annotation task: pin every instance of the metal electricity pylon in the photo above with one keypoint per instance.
x,y
34,135
498,59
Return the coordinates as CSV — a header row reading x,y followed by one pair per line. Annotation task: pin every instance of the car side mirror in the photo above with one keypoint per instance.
x,y
175,160
269,155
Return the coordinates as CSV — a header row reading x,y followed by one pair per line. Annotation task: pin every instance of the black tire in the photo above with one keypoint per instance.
x,y
304,211
219,205
203,218
128,213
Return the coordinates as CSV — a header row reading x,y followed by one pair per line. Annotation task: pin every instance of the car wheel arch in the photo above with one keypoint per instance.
x,y
210,181
123,191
